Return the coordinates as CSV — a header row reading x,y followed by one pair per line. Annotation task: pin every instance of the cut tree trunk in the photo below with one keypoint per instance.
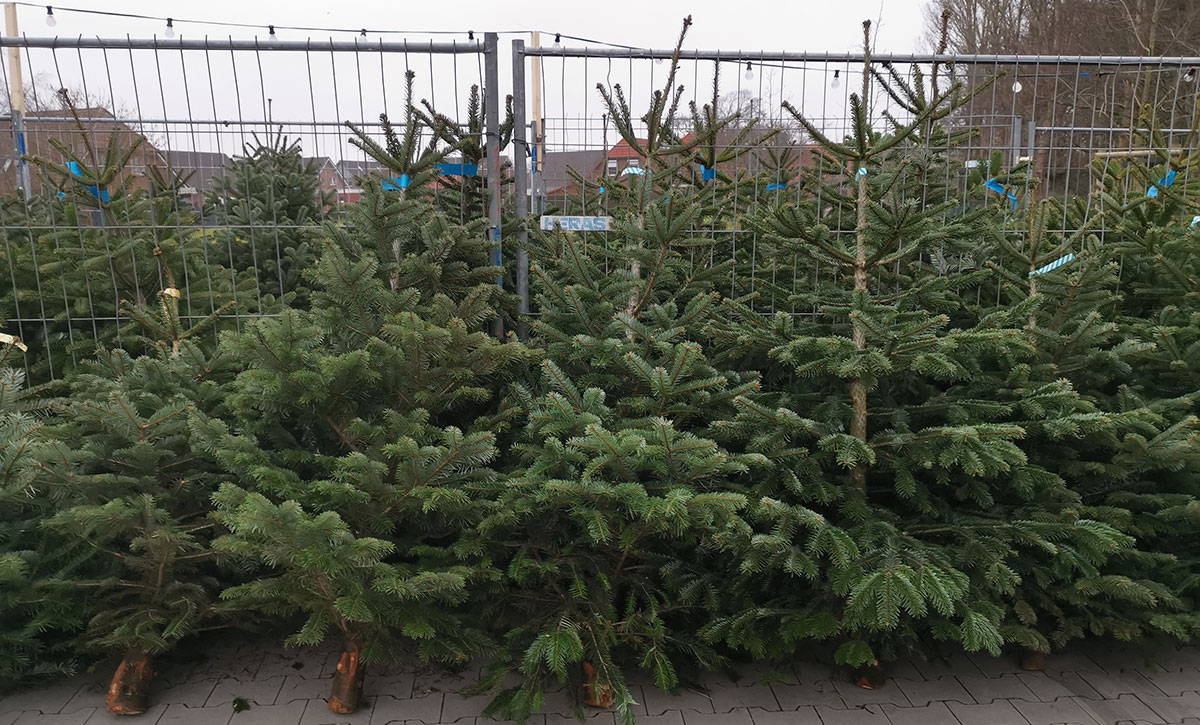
x,y
594,693
346,692
129,692
1035,661
870,677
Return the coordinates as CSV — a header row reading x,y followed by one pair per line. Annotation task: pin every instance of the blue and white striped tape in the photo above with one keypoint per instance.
x,y
1053,265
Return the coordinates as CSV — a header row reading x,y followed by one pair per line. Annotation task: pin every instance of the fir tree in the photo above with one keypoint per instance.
x,y
364,427
268,205
131,528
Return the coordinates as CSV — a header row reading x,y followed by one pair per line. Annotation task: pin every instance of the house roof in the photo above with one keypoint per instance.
x,y
622,150
204,166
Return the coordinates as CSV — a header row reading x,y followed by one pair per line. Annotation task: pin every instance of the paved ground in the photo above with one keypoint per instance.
x,y
1090,685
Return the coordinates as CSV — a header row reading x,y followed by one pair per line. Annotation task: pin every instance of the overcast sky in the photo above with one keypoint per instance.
x,y
329,89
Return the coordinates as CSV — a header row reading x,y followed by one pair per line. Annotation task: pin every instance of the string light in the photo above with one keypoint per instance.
x,y
557,40
470,35
170,31
658,61
749,75
363,33
50,20
836,83
272,36
1017,86
1190,75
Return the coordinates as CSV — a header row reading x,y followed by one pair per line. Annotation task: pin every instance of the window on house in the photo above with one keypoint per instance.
x,y
612,167
634,163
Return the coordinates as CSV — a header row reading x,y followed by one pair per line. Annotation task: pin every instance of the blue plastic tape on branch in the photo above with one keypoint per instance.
x,y
601,189
1195,221
96,191
458,169
776,187
1167,180
862,171
395,184
707,174
1053,265
997,187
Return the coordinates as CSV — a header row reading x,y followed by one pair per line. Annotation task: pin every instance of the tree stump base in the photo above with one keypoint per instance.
x,y
346,692
129,691
594,693
870,677
1033,661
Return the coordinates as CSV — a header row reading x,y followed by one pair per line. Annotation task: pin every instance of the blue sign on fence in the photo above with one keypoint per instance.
x,y
577,223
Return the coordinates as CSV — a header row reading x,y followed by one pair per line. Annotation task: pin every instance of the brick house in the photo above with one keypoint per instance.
x,y
98,127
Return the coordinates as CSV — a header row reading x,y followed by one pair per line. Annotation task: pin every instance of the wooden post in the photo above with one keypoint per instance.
x,y
16,86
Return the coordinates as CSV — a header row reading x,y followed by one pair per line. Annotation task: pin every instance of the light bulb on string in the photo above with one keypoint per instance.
x,y
1190,75
50,19
749,75
1017,86
271,34
362,33
557,41
836,83
658,61
470,35
170,31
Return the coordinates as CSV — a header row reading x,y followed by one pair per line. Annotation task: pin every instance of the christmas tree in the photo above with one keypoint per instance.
x,y
904,495
364,427
267,205
130,529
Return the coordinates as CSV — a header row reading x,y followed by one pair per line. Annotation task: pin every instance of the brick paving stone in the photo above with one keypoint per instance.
x,y
793,697
988,689
957,664
725,699
1174,683
79,717
1060,711
740,716
1132,683
1075,683
427,709
1044,688
151,716
1174,709
48,700
855,696
398,684
8,718
455,707
866,715
670,717
1177,658
940,690
1000,712
934,714
992,666
657,702
192,694
563,702
437,679
291,661
296,687
316,712
540,719
183,715
803,716
257,692
1125,708
286,714
593,717
1073,661
903,670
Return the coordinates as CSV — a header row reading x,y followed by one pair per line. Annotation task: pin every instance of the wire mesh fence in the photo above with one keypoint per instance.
x,y
1056,121
202,169
225,158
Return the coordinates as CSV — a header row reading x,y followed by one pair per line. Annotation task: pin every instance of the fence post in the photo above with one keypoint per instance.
x,y
491,81
521,179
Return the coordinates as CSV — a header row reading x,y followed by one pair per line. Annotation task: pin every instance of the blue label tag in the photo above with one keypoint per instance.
x,y
601,189
458,169
1167,180
707,174
397,184
776,187
997,187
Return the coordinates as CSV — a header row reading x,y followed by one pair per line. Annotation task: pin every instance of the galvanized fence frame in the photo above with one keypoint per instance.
x,y
359,52
1064,92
